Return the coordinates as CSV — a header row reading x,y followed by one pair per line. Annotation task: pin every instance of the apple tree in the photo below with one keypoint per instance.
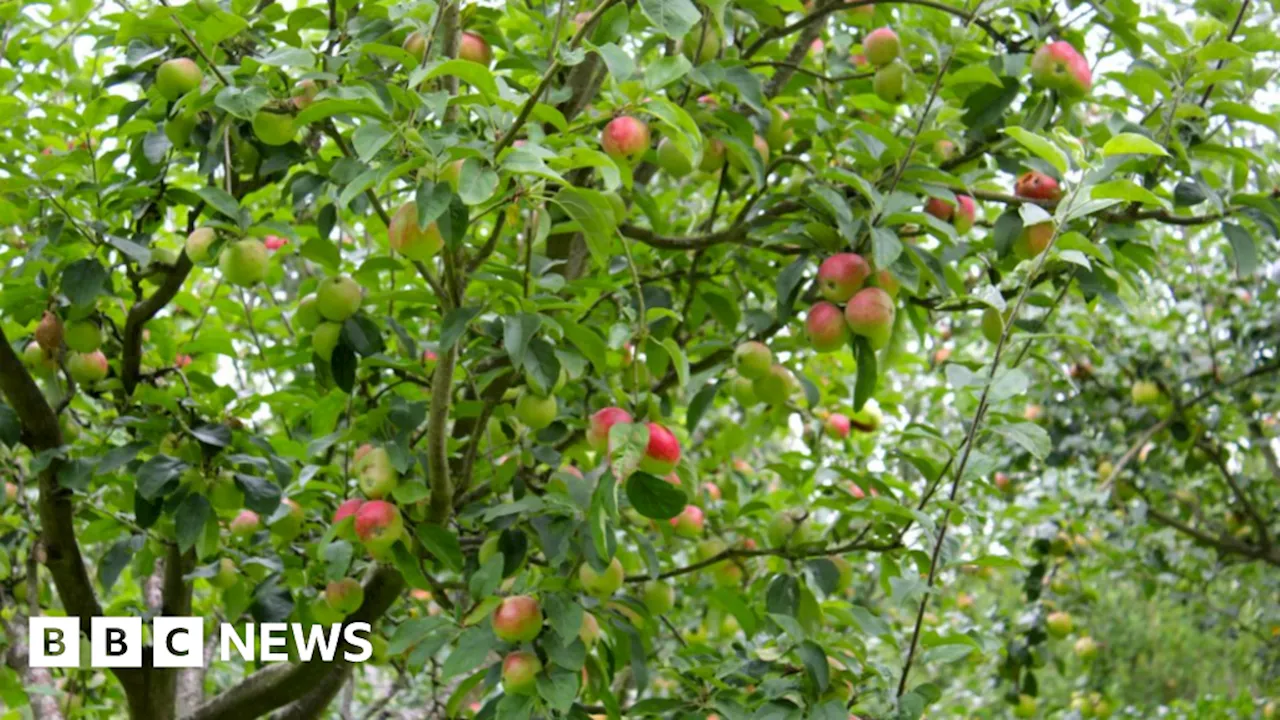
x,y
639,359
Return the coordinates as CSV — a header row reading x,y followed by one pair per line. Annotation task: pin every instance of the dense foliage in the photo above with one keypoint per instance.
x,y
647,359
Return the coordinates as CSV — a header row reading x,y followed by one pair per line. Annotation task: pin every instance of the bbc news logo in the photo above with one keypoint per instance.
x,y
178,642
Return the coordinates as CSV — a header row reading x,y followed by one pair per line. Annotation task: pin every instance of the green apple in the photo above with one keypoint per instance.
x,y
602,584
536,411
177,77
83,336
244,262
338,298
325,338
273,128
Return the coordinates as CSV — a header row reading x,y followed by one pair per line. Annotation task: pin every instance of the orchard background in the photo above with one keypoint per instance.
x,y
310,311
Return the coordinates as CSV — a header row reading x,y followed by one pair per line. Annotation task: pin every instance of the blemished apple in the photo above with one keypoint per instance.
x,y
245,523
663,452
1033,240
881,46
345,595
752,359
474,48
49,333
273,128
375,473
347,509
378,525
842,275
672,161
177,77
34,357
1059,66
870,315
659,597
774,386
324,339
891,82
601,422
536,411
517,619
198,244
87,368
244,262
689,523
520,673
837,425
338,298
826,328
625,138
226,575
1036,185
405,237
602,583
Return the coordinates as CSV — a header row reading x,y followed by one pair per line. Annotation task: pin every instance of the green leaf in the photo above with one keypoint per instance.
x,y
1040,146
815,664
1132,144
159,476
627,445
474,74
518,330
441,543
673,17
1243,248
654,497
472,648
973,74
1127,190
1029,436
865,385
83,281
455,323
593,213
619,62
220,200
369,138
665,71
322,252
244,103
678,359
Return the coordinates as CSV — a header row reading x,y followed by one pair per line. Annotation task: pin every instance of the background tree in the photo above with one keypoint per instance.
x,y
647,359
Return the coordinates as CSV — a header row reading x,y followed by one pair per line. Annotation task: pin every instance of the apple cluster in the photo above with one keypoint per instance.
x,y
868,299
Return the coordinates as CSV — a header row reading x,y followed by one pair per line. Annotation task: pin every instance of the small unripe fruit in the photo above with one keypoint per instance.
x,y
1033,240
273,128
601,422
177,77
992,325
520,673
378,525
773,387
688,524
338,298
663,452
1037,186
405,237
825,326
1145,392
778,135
87,368
882,46
837,426
842,275
701,46
324,339
198,243
604,583
226,576
870,315
713,156
345,595
1060,67
892,82
672,161
536,411
473,47
625,138
416,45
244,263
375,473
1086,648
1026,707
517,619
1058,624
741,390
245,524
752,359
304,93
589,633
290,524
659,597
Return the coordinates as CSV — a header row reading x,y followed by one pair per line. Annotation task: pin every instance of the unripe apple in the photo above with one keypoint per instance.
x,y
198,243
842,275
226,576
307,316
1086,648
663,452
741,390
625,138
34,357
781,529
245,524
1060,67
473,47
886,281
1026,707
1145,392
289,525
273,128
87,368
244,263
708,549
378,525
177,77
713,156
778,135
1003,483
837,425
659,597
179,128
517,619
601,422
1033,240
604,583
1037,186
870,315
10,495
1058,624
892,82
325,338
867,420
536,411
415,43
589,633
752,359
672,160
345,595
688,524
347,509
882,46
701,44
338,298
825,326
375,473
945,149
520,673
773,387
992,325
406,238
304,93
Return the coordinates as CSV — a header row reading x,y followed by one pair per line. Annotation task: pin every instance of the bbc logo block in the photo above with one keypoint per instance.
x,y
178,642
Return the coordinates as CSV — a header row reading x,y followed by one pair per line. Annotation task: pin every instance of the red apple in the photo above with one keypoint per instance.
x,y
842,275
345,595
1037,186
663,452
601,422
517,619
965,214
245,524
688,524
274,242
825,326
49,333
625,138
838,426
520,673
87,368
1060,67
939,208
378,525
473,47
590,630
416,45
870,314
347,509
885,280
1033,240
405,237
712,490
882,46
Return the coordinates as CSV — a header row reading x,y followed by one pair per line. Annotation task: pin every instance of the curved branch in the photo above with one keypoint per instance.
x,y
790,553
